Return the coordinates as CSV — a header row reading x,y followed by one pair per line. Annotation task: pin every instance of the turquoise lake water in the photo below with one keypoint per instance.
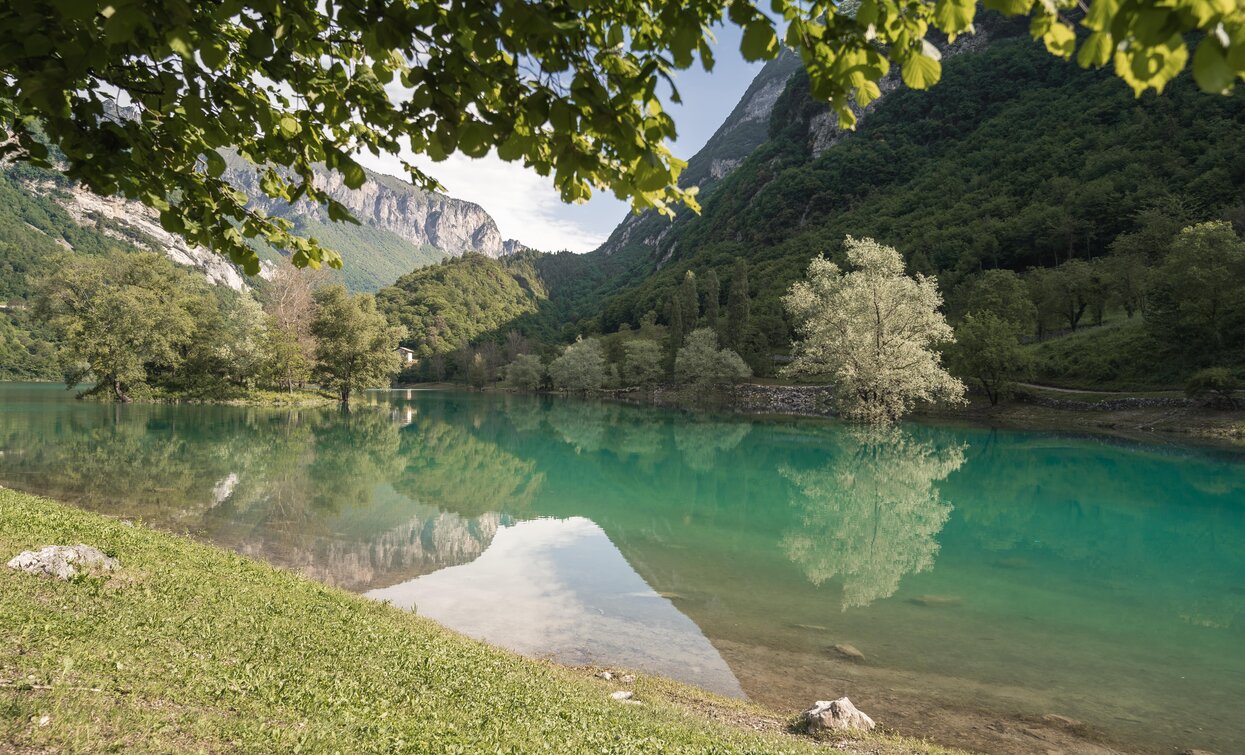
x,y
1008,591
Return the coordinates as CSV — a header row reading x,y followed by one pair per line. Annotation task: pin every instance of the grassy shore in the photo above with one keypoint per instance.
x,y
190,648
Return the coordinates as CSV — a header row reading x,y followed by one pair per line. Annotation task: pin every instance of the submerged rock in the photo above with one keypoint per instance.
x,y
931,601
835,715
848,651
62,561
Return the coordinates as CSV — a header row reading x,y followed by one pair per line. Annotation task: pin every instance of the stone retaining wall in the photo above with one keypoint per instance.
x,y
1106,405
805,400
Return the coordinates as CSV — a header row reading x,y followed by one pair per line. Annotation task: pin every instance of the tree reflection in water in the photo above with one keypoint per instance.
x,y
872,514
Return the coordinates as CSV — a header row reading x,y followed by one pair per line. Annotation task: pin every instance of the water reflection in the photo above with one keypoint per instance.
x,y
560,589
872,513
993,577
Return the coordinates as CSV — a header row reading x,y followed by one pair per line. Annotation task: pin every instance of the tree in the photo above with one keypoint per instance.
x,y
701,363
1217,382
738,306
1203,283
987,349
226,349
1062,294
674,338
284,364
526,372
118,316
872,332
1128,276
289,297
1001,293
356,348
642,362
139,101
689,301
713,292
580,369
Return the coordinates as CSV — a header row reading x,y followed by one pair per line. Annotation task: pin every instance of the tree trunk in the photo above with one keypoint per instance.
x,y
116,389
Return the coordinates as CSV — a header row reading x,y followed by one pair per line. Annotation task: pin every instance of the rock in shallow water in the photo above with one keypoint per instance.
x,y
62,561
835,715
848,651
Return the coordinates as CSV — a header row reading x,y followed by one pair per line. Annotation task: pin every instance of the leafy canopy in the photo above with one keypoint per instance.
x,y
872,331
356,348
140,96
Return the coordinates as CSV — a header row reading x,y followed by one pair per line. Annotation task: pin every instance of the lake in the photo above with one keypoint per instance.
x,y
998,590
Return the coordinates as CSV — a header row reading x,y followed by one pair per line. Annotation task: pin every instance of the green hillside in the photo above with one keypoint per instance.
x,y
1015,160
372,257
34,228
445,306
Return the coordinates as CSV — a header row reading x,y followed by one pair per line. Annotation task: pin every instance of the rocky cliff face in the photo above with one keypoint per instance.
x,y
401,227
134,223
419,217
743,131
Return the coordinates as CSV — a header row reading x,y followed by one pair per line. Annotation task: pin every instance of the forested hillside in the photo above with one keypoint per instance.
x,y
445,306
1016,161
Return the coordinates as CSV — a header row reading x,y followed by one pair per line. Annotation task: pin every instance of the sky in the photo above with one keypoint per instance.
x,y
527,207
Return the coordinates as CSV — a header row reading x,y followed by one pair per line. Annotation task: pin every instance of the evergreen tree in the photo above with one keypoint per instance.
x,y
675,339
689,300
738,306
713,291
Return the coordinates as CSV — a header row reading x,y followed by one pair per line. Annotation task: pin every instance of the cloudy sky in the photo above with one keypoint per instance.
x,y
526,206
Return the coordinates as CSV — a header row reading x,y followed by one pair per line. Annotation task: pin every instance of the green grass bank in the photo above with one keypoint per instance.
x,y
190,648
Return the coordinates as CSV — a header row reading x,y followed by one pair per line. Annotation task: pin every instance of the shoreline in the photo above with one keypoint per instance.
x,y
189,646
1143,421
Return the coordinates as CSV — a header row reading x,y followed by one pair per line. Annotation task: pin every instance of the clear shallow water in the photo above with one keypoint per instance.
x,y
991,579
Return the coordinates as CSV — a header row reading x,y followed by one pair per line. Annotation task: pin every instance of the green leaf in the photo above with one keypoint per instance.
x,y
259,46
1010,7
290,126
352,173
215,164
954,16
1096,50
1210,67
214,54
921,71
759,42
1060,40
179,44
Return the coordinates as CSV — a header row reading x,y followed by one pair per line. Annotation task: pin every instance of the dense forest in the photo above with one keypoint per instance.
x,y
1015,162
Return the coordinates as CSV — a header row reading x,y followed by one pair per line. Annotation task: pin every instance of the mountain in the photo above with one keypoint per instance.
x,y
1016,159
401,227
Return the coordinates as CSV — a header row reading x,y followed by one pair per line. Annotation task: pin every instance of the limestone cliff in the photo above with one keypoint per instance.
x,y
419,217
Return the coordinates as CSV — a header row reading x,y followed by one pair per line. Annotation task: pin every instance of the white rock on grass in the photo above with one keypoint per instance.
x,y
62,561
621,694
835,715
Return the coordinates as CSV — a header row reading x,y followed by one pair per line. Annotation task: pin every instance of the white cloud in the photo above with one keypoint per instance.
x,y
524,204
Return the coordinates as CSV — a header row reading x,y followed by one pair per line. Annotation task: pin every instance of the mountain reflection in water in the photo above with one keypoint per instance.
x,y
558,588
989,579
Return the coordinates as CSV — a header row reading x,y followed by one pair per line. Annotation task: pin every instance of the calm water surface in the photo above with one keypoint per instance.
x,y
1009,591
